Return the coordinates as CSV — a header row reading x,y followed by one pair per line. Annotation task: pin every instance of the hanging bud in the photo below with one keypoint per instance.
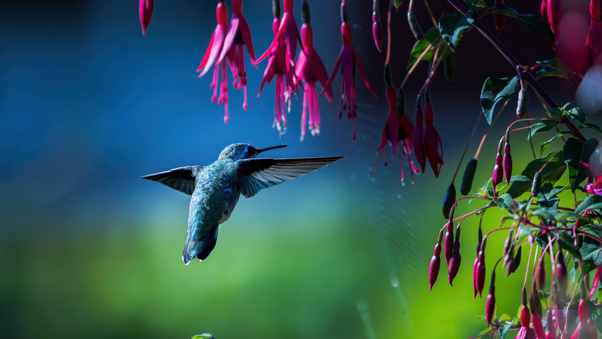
x,y
525,319
415,27
507,161
596,282
536,185
517,258
469,172
554,14
499,19
498,172
435,262
550,324
145,10
481,271
536,312
523,103
454,263
449,67
490,303
448,244
449,200
377,31
475,271
541,275
561,270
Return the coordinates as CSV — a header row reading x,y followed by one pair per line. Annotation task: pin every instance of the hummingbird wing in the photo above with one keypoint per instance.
x,y
257,174
181,178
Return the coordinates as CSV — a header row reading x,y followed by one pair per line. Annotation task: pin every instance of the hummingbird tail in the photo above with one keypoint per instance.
x,y
199,248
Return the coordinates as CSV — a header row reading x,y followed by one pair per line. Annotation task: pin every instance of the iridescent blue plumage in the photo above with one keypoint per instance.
x,y
215,188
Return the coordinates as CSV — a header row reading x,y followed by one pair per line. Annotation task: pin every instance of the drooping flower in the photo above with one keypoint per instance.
x,y
145,10
239,35
507,162
435,262
309,68
554,8
277,67
397,128
211,58
348,60
432,141
287,34
448,243
490,303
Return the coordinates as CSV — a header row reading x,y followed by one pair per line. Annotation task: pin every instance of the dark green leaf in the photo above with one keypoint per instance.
x,y
545,144
475,5
505,329
420,46
567,244
398,3
505,201
550,173
589,201
591,253
494,90
577,113
576,151
530,21
542,126
551,68
452,26
592,126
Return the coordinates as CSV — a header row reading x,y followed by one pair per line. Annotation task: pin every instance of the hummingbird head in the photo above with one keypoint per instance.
x,y
243,151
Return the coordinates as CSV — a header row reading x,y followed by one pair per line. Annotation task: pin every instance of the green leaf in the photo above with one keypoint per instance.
x,y
475,5
574,152
530,21
505,329
577,113
547,143
592,126
204,336
398,3
567,244
420,46
452,26
550,173
551,67
542,126
591,253
505,201
587,203
494,90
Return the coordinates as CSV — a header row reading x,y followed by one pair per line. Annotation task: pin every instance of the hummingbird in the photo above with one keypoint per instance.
x,y
216,188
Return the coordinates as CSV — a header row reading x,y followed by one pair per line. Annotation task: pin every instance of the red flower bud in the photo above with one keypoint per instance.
x,y
475,269
498,172
561,271
145,10
434,266
454,263
538,326
490,303
449,241
596,281
525,331
481,271
550,326
541,275
507,161
449,200
499,19
377,31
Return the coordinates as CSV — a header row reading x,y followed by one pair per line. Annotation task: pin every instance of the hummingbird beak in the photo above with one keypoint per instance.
x,y
270,148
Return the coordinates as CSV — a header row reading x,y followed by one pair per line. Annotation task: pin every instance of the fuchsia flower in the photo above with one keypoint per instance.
x,y
277,67
211,55
397,128
432,141
289,34
309,68
145,11
554,8
227,43
348,59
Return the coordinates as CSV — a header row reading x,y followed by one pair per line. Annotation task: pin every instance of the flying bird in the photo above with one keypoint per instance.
x,y
215,188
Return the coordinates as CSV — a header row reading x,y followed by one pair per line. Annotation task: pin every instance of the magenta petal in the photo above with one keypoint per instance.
x,y
319,72
214,48
277,37
245,31
362,73
232,29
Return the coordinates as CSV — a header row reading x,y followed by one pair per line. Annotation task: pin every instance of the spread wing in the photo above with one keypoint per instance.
x,y
181,179
257,174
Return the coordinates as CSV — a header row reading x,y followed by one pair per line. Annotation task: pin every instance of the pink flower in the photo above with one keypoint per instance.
x,y
239,35
397,128
145,11
277,67
210,58
309,68
554,8
287,34
348,59
432,141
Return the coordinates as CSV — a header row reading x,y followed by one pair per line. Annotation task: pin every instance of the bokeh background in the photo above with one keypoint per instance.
x,y
89,249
